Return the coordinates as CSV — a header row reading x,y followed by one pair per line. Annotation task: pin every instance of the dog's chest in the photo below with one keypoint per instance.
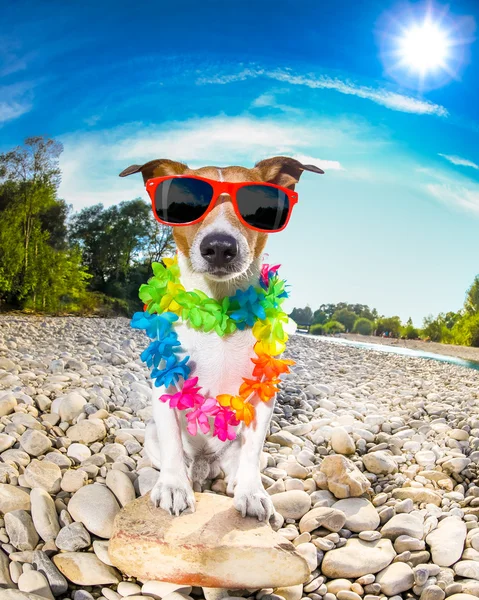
x,y
220,363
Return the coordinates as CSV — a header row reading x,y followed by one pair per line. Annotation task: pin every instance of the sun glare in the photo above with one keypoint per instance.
x,y
424,48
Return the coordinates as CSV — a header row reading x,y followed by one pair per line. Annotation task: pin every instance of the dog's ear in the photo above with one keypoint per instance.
x,y
283,170
156,168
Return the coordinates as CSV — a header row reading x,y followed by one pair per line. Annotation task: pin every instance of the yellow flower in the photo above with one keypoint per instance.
x,y
168,302
244,411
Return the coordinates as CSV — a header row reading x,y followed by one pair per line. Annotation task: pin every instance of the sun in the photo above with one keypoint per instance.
x,y
424,48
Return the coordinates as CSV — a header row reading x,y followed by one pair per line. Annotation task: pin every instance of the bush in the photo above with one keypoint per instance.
x,y
317,329
334,327
363,326
345,317
410,333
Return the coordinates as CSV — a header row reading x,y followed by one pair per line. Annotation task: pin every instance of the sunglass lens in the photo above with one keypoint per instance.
x,y
263,206
182,200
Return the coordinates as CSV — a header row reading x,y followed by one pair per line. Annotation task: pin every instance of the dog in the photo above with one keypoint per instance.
x,y
218,255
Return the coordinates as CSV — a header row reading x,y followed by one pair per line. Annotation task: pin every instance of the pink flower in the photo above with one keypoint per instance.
x,y
199,416
267,271
224,425
187,397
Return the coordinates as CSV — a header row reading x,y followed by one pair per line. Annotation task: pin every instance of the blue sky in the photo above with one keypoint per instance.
x,y
394,221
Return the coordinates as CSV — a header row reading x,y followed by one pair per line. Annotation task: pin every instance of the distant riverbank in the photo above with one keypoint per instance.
x,y
464,352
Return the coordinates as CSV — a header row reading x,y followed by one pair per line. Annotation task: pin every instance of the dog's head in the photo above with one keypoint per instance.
x,y
221,247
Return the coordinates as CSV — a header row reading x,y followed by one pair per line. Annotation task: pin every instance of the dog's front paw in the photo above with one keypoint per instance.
x,y
253,502
173,496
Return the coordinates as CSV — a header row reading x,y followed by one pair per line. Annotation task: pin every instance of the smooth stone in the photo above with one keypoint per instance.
x,y
357,558
462,597
43,474
338,585
44,514
36,583
341,441
236,552
418,495
341,477
78,452
127,588
360,514
396,578
35,442
7,405
285,438
310,554
58,584
20,530
96,507
403,524
73,537
5,576
71,406
84,568
87,431
100,548
19,595
6,441
292,504
73,480
380,463
447,541
322,516
121,486
467,568
11,498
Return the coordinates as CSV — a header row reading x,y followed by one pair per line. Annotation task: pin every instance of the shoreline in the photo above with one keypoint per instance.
x,y
464,352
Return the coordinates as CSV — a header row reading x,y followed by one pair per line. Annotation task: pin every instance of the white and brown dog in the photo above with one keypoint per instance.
x,y
218,256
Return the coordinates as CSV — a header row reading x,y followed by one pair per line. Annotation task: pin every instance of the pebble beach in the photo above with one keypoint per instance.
x,y
371,462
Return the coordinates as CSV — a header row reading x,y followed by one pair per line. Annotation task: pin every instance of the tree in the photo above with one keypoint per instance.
x,y
472,297
119,244
390,326
346,317
363,326
302,316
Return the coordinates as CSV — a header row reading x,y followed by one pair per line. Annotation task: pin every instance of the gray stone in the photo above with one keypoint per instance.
x,y
73,537
35,442
96,507
20,530
58,584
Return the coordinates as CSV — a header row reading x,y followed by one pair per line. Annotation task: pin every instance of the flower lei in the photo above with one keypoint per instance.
x,y
259,307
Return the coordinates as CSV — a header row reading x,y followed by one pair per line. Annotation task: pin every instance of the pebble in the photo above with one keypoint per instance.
x,y
360,514
96,507
44,514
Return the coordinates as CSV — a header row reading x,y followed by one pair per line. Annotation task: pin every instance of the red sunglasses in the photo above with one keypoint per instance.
x,y
186,199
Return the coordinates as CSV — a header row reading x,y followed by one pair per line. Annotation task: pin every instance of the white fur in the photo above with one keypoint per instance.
x,y
220,364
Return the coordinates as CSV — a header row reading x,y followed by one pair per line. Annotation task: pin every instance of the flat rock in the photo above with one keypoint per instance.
x,y
35,442
213,547
396,578
20,530
322,516
84,568
96,507
418,495
44,514
447,541
403,524
18,595
293,504
43,474
360,514
12,498
357,558
87,431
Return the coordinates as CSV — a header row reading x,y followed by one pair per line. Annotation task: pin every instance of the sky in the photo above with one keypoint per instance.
x,y
393,222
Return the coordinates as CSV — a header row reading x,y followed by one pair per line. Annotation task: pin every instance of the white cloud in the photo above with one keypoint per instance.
x,y
92,161
456,196
270,100
457,160
326,165
382,96
15,100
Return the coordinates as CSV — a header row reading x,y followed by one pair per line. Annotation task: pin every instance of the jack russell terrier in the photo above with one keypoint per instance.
x,y
220,237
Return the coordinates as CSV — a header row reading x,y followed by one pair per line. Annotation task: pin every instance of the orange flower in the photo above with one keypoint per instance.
x,y
244,411
269,367
264,389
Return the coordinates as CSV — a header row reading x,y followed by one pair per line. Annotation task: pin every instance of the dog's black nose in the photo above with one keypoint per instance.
x,y
219,249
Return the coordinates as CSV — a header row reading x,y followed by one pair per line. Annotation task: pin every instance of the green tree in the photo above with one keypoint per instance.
x,y
302,316
333,327
346,317
390,326
472,297
363,326
119,244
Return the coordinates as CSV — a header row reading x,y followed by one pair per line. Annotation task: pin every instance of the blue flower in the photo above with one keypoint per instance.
x,y
250,307
155,326
171,372
160,349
